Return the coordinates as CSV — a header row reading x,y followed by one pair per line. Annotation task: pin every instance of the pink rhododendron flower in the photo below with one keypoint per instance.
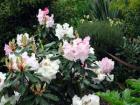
x,y
79,49
44,18
46,10
50,21
41,17
106,65
7,49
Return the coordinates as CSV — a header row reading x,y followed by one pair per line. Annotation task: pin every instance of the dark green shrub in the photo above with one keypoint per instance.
x,y
104,36
130,13
69,11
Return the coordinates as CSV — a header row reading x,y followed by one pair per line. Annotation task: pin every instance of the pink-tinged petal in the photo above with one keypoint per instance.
x,y
46,10
7,49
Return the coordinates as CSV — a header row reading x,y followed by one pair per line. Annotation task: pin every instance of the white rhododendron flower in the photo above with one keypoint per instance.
x,y
48,69
2,79
90,99
76,100
91,50
64,30
4,100
22,39
13,99
30,61
13,59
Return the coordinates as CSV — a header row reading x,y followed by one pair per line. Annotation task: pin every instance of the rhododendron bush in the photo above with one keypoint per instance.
x,y
60,71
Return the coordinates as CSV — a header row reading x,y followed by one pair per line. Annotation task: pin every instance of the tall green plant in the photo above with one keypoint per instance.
x,y
100,9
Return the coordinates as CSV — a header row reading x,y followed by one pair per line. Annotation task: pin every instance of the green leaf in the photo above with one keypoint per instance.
x,y
22,88
28,98
134,83
111,97
32,77
51,97
43,102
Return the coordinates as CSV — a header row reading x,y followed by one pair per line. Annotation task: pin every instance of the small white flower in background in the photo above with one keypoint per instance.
x,y
90,99
13,99
91,50
30,61
2,79
4,100
22,39
13,59
76,100
64,30
48,69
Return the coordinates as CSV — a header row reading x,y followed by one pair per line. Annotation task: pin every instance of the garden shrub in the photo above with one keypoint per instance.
x,y
55,72
130,12
105,36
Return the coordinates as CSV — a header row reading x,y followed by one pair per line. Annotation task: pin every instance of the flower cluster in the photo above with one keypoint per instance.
x,y
64,31
90,99
106,65
48,69
44,18
77,50
20,61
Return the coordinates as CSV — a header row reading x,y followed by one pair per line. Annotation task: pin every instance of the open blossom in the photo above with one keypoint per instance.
x,y
90,99
23,39
13,99
78,50
48,69
7,49
49,21
30,61
106,65
44,18
2,79
76,100
20,62
64,30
